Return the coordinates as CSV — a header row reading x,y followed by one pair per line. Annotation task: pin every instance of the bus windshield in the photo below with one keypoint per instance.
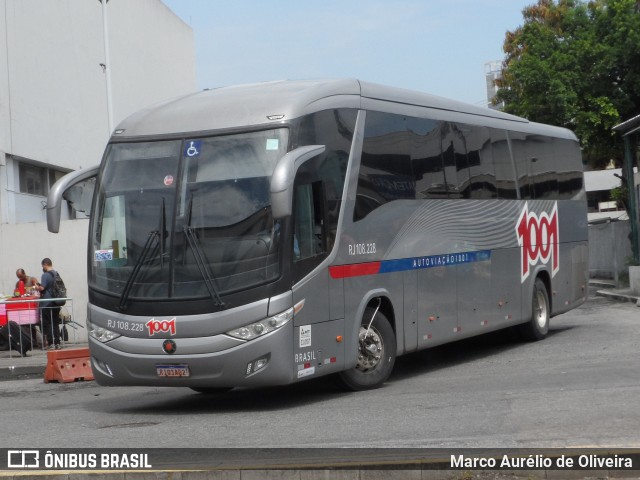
x,y
186,219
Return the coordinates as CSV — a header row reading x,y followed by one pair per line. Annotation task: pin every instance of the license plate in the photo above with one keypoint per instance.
x,y
172,370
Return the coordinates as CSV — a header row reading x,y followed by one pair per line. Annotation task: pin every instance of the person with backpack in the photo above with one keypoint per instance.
x,y
50,310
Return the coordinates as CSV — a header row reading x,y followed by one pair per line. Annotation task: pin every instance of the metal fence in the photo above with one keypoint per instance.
x,y
25,325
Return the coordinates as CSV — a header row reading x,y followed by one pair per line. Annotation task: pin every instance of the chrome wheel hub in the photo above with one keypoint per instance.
x,y
540,310
371,349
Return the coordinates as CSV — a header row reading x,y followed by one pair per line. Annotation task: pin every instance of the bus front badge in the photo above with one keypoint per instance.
x,y
169,346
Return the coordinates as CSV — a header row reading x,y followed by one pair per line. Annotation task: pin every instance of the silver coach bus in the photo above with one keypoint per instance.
x,y
266,234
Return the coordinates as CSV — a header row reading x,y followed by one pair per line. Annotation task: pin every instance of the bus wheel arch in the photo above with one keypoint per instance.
x,y
544,276
537,327
377,347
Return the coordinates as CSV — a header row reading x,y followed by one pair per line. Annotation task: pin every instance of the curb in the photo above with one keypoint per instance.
x,y
623,297
32,366
17,372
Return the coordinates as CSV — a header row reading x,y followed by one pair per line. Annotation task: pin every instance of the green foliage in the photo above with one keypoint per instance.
x,y
576,64
620,196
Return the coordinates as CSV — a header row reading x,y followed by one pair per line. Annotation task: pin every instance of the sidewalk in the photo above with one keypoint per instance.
x,y
606,288
15,367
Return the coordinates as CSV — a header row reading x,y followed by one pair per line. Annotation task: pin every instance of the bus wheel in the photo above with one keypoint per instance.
x,y
211,390
376,353
538,327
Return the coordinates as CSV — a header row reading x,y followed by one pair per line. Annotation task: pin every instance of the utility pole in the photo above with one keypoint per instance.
x,y
629,129
107,64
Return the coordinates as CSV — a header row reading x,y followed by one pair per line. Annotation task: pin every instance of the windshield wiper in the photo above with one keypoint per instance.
x,y
154,235
199,257
144,254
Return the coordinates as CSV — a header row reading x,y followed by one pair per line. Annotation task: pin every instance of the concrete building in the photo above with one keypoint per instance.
x,y
492,72
598,185
54,112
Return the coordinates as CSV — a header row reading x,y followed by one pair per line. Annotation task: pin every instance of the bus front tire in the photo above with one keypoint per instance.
x,y
376,354
538,327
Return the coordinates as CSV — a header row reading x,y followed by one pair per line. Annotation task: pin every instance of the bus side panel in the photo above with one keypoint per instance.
x,y
570,285
437,311
411,319
488,293
317,349
314,292
505,290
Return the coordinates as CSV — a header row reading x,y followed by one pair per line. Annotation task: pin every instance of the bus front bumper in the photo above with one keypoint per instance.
x,y
267,360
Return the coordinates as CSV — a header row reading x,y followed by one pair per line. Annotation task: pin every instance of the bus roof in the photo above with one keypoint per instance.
x,y
277,102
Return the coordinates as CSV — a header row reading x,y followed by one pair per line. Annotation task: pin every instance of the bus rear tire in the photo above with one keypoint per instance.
x,y
538,327
376,354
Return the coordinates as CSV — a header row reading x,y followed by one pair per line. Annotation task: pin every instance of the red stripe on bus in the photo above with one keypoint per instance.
x,y
354,270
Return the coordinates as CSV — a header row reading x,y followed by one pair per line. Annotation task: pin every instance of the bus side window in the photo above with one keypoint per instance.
x,y
504,167
309,235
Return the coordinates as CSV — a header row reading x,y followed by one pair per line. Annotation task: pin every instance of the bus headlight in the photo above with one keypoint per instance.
x,y
101,334
257,329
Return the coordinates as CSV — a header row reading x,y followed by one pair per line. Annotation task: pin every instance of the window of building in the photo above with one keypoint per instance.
x,y
37,180
33,180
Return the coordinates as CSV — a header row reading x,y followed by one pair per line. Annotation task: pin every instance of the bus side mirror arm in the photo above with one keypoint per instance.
x,y
54,199
284,175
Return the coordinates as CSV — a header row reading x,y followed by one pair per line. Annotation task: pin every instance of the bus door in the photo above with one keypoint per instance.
x,y
318,348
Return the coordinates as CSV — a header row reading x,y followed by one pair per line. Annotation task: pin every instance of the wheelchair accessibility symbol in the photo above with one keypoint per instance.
x,y
192,148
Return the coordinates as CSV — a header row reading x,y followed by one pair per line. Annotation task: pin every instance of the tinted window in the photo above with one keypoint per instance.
x,y
504,170
569,166
334,129
474,162
402,158
541,167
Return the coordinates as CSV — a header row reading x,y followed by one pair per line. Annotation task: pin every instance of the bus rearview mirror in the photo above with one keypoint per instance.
x,y
284,175
54,199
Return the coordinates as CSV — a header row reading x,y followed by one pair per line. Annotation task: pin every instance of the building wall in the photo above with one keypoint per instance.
x,y
609,249
28,243
53,108
54,82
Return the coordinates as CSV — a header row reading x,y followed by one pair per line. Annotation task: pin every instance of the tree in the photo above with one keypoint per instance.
x,y
576,64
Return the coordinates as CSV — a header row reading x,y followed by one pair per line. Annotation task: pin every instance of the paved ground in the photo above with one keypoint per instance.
x,y
13,367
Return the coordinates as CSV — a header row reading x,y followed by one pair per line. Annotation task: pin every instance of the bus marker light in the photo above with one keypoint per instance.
x,y
339,339
432,318
298,306
484,323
